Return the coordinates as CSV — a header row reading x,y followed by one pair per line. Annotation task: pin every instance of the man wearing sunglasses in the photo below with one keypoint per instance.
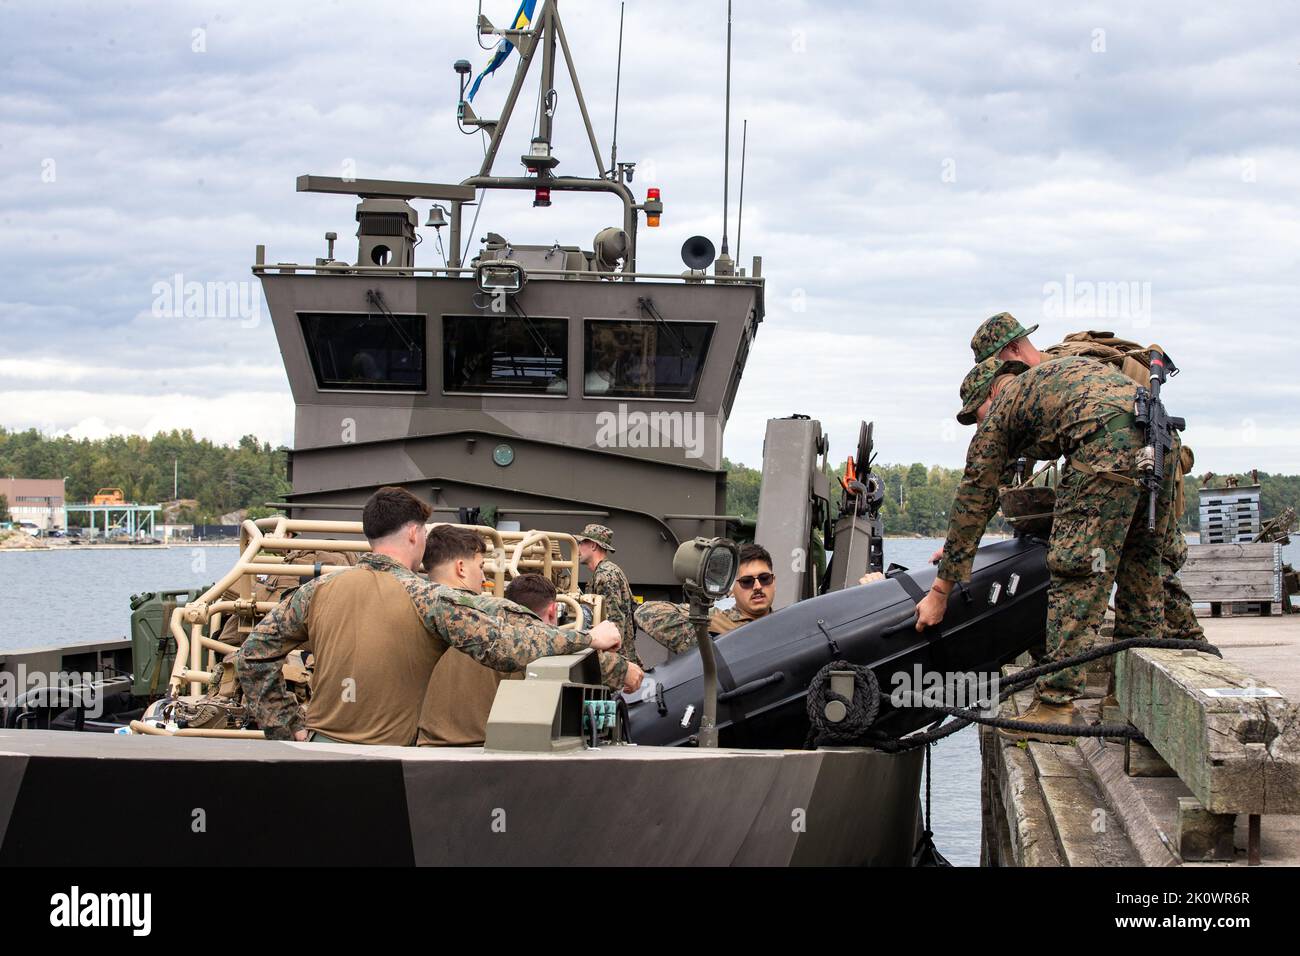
x,y
670,625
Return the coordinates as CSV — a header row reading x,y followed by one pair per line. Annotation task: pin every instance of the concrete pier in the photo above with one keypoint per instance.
x,y
1216,783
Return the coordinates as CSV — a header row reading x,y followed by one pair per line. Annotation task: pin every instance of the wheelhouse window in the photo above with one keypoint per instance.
x,y
504,353
359,352
644,359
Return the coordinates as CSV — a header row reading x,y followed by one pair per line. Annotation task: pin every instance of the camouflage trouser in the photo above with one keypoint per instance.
x,y
1180,618
1100,538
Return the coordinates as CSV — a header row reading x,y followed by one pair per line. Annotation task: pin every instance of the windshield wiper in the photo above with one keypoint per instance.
x,y
648,307
376,299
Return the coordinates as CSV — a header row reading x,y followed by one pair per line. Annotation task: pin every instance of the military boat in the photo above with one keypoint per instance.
x,y
524,391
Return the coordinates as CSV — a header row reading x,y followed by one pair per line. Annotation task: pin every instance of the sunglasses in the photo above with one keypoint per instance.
x,y
765,579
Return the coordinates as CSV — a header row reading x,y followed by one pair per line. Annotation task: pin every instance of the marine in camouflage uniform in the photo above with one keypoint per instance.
x,y
670,624
496,632
1080,409
999,331
613,664
609,581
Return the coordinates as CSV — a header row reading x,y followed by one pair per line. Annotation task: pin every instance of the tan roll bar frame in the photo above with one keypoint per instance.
x,y
510,553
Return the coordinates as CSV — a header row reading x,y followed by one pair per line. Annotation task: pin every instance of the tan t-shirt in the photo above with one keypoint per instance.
x,y
458,701
374,658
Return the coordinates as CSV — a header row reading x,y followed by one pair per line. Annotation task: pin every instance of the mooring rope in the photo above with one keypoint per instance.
x,y
862,710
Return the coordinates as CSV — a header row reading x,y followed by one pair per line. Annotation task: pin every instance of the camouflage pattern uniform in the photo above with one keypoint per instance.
x,y
1180,617
1080,409
613,665
496,632
996,333
999,331
609,581
670,624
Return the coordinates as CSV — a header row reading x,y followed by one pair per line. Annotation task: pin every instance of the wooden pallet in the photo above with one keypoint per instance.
x,y
1234,574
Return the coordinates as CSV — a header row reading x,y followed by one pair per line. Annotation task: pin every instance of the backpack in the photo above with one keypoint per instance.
x,y
1129,357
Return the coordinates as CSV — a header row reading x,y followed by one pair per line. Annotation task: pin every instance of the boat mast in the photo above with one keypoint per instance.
x,y
725,265
549,31
740,210
618,84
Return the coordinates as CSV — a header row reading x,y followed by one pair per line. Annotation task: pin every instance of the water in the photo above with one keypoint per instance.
x,y
83,594
955,761
73,596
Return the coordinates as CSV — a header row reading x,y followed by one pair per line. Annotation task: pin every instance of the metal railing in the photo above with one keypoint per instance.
x,y
510,553
262,268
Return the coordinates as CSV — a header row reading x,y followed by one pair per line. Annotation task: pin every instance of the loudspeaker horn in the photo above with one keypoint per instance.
x,y
697,252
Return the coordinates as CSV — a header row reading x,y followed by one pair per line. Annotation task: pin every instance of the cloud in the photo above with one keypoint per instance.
x,y
910,171
99,413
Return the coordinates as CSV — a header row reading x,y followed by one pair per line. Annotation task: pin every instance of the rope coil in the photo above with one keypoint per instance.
x,y
860,712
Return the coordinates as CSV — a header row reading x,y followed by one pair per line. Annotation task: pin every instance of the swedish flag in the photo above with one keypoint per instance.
x,y
522,18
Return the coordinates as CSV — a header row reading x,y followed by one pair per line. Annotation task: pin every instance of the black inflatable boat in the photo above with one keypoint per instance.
x,y
765,668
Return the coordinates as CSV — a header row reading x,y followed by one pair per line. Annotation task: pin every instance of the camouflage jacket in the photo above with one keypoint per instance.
x,y
609,581
496,632
1043,413
670,624
1130,358
613,666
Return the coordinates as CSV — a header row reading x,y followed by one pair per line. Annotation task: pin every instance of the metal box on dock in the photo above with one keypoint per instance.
x,y
1229,515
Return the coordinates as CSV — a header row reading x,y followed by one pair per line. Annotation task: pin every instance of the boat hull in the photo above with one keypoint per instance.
x,y
267,803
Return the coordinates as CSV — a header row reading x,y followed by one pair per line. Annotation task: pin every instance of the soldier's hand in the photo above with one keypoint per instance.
x,y
632,679
937,556
605,637
300,735
931,610
871,576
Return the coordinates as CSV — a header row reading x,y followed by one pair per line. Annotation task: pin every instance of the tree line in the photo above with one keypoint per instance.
x,y
224,478
917,497
218,478
916,501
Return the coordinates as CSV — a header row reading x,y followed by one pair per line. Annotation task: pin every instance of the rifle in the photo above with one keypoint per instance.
x,y
1149,411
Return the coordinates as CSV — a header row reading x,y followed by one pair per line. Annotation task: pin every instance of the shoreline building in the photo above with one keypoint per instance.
x,y
39,501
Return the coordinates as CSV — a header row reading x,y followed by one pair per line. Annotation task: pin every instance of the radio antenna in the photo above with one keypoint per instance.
x,y
618,80
740,212
726,139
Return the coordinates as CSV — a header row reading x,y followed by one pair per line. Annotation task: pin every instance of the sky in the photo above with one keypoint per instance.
x,y
912,168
